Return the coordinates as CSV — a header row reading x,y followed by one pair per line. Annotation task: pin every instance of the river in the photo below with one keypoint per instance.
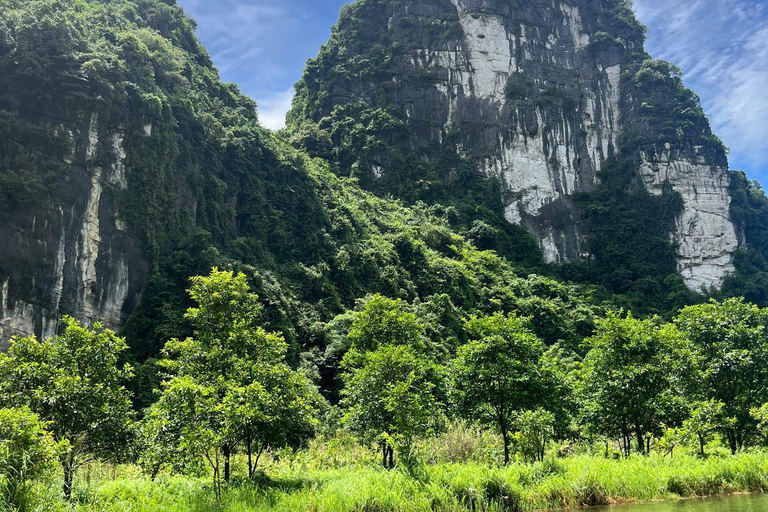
x,y
739,503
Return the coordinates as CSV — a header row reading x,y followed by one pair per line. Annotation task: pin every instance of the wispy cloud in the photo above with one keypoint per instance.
x,y
722,47
262,45
273,107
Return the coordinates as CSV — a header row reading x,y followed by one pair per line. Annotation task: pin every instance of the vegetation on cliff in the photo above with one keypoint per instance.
x,y
349,330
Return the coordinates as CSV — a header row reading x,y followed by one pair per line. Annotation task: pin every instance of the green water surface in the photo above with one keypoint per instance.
x,y
742,503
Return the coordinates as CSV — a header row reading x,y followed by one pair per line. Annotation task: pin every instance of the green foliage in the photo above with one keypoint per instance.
x,y
496,373
732,352
534,430
749,211
761,416
706,419
664,109
390,396
634,379
74,382
630,248
26,451
229,386
384,322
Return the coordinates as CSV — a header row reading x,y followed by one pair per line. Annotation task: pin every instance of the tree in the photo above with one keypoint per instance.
x,y
761,416
634,379
706,418
229,383
75,383
26,450
279,408
384,321
534,430
731,344
496,373
390,397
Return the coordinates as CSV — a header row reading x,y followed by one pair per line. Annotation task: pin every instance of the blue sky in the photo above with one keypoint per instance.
x,y
722,46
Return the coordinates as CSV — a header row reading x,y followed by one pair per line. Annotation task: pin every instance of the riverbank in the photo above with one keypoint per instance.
x,y
296,485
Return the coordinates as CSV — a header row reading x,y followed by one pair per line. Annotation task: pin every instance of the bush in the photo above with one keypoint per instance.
x,y
26,450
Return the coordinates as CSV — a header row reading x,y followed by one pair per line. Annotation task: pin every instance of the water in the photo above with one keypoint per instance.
x,y
743,503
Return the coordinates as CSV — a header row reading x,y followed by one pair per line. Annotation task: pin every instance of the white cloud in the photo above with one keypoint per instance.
x,y
273,107
721,46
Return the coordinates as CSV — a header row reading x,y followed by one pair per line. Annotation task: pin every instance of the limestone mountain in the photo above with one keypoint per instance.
x,y
127,166
544,97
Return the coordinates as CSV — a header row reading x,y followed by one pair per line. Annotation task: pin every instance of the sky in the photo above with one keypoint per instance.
x,y
721,45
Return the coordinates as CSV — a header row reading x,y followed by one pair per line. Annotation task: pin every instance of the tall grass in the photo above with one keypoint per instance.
x,y
361,486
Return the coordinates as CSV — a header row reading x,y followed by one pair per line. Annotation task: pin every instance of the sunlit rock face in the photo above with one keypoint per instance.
x,y
70,254
704,234
531,90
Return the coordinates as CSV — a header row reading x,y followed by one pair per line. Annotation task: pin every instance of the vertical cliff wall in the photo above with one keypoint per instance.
x,y
66,251
539,94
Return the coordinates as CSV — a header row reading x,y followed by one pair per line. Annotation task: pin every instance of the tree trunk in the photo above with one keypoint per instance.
x,y
384,455
391,457
505,436
640,440
250,452
732,441
225,449
701,445
68,478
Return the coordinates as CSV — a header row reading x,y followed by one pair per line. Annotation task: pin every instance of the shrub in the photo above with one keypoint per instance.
x,y
26,450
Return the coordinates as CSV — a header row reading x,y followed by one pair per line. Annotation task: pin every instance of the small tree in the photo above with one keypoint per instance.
x,y
731,344
389,396
634,379
26,450
760,415
496,374
230,383
534,430
74,383
280,408
706,419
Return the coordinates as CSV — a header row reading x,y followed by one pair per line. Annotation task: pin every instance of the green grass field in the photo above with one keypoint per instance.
x,y
307,482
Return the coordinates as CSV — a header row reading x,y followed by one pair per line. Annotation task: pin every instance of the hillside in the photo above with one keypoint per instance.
x,y
584,140
127,167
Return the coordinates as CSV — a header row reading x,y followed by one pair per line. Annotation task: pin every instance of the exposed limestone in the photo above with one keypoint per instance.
x,y
529,91
705,236
75,256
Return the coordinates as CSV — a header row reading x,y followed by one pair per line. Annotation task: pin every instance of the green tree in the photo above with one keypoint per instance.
x,y
535,429
496,374
761,416
731,344
706,418
26,450
384,321
75,383
634,379
230,383
390,398
279,408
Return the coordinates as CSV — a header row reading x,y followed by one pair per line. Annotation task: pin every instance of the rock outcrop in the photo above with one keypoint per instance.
x,y
69,252
534,92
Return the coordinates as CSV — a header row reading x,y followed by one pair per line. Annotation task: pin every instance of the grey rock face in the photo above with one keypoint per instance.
x,y
70,253
531,90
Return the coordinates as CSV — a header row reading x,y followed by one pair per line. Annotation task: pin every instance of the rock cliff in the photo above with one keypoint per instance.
x,y
126,167
539,94
67,252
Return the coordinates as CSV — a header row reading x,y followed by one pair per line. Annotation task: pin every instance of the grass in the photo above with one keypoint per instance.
x,y
302,483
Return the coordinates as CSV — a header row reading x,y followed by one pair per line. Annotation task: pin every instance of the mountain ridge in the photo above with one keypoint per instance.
x,y
126,167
